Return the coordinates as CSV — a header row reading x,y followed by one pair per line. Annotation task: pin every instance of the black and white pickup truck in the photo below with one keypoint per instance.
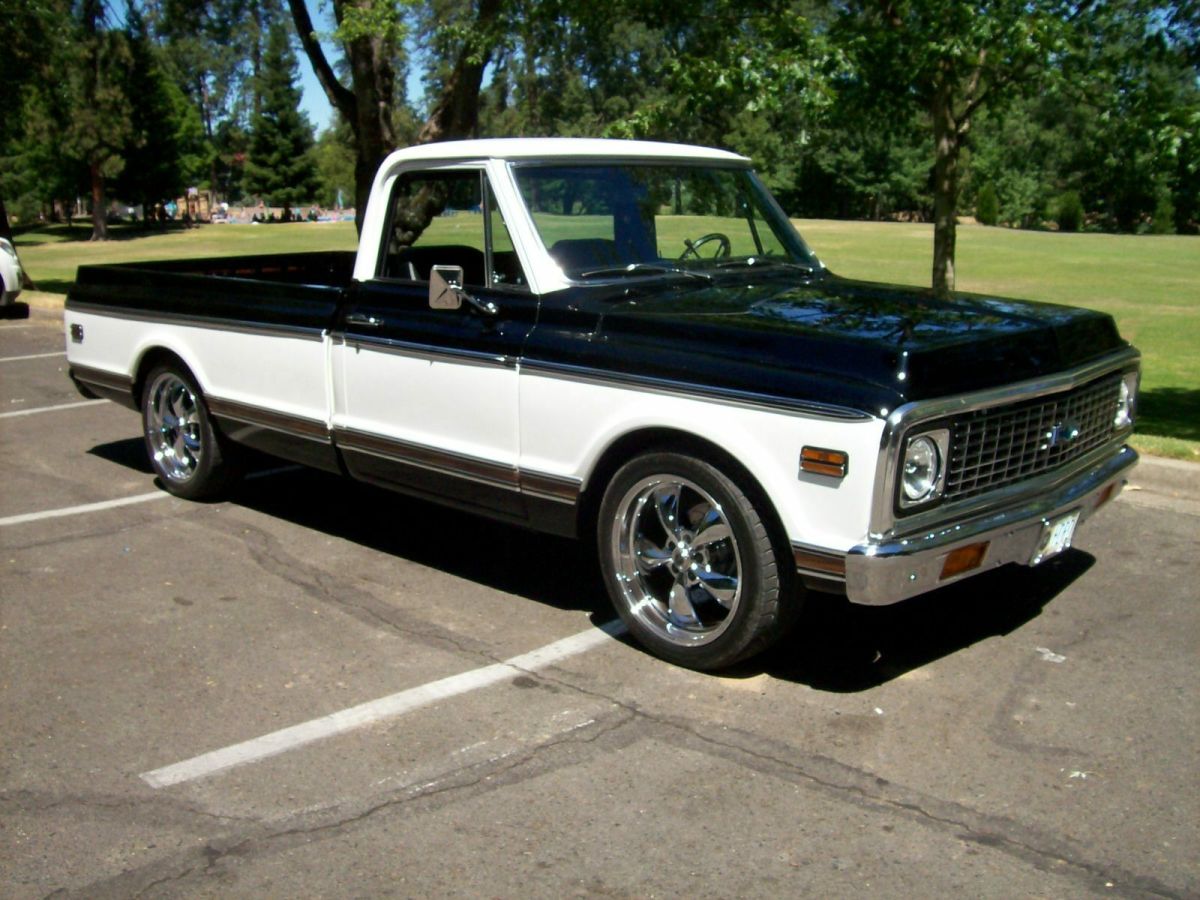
x,y
629,342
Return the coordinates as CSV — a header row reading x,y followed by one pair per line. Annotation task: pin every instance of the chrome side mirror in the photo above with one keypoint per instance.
x,y
446,291
445,287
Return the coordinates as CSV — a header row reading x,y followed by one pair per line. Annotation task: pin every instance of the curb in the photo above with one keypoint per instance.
x,y
1174,478
43,300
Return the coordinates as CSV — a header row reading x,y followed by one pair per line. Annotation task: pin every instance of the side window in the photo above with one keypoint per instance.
x,y
506,266
439,218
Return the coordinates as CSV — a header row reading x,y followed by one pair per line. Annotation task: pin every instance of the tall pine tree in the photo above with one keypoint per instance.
x,y
166,152
280,168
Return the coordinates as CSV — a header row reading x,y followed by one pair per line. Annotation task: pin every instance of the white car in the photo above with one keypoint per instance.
x,y
10,273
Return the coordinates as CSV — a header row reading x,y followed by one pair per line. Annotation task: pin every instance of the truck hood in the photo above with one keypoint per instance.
x,y
827,339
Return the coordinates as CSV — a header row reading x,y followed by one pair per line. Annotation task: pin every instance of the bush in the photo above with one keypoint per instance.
x,y
1164,216
1070,212
987,205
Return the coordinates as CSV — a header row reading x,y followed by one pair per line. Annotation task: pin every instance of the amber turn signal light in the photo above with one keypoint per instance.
x,y
964,559
817,461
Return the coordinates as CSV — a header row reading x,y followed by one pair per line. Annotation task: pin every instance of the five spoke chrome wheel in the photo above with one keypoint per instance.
x,y
676,559
174,432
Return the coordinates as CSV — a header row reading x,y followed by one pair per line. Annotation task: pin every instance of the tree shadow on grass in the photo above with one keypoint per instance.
x,y
79,233
53,286
1169,412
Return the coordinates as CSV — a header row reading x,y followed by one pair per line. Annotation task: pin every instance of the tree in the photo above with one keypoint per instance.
x,y
1134,79
952,57
210,50
167,152
864,160
334,156
370,32
86,109
279,167
20,31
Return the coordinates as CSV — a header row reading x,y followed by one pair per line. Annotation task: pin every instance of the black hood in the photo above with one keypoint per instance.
x,y
827,339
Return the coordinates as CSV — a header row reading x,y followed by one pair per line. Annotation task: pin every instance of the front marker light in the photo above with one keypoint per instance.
x,y
1126,401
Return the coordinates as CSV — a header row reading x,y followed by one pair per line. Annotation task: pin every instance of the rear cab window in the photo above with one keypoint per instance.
x,y
449,218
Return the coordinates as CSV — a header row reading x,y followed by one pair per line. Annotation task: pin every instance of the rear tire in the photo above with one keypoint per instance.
x,y
191,458
690,563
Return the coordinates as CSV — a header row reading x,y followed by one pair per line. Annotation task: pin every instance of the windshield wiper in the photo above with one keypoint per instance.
x,y
772,261
639,268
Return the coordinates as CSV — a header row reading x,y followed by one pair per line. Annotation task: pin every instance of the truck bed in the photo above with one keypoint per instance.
x,y
285,289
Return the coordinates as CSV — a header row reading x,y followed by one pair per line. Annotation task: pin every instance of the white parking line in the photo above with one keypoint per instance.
x,y
4,359
390,707
42,409
85,508
123,501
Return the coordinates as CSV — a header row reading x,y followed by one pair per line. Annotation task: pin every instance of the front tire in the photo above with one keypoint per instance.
x,y
690,563
191,459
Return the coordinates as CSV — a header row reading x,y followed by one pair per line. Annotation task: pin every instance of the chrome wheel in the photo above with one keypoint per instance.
x,y
676,560
174,431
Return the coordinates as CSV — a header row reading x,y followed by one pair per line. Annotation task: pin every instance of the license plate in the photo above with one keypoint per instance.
x,y
1056,537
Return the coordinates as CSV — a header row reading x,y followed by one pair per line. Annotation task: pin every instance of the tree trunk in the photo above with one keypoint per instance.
x,y
374,125
945,190
99,218
368,107
457,112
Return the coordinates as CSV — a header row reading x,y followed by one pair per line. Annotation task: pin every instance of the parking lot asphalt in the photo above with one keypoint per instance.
x,y
318,689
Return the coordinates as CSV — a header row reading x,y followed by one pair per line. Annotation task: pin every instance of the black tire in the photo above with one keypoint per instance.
x,y
191,458
690,562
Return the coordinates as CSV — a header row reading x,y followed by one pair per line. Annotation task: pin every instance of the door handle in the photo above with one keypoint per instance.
x,y
363,320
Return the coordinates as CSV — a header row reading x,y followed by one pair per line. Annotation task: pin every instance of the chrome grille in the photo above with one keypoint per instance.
x,y
991,448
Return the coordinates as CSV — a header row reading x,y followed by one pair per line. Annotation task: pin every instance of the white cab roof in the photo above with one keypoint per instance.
x,y
554,148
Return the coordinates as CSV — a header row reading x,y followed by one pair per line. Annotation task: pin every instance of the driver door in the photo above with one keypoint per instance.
x,y
425,400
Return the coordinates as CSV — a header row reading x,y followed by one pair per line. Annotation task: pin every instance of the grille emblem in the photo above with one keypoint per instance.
x,y
1061,433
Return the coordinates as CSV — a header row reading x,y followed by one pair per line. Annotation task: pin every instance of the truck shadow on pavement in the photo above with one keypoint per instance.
x,y
554,571
842,647
835,646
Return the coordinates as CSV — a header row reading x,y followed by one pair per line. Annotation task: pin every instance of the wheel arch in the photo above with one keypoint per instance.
x,y
149,360
672,440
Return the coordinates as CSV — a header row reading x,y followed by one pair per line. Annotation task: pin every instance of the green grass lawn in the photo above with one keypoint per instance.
x,y
51,255
1151,285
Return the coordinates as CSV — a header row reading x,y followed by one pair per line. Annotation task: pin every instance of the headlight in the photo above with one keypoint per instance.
x,y
1126,401
920,468
923,468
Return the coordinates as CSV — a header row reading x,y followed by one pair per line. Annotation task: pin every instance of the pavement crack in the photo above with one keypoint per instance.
x,y
1041,850
160,882
339,592
206,861
161,807
490,770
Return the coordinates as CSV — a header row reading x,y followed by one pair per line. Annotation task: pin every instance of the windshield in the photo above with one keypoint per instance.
x,y
609,219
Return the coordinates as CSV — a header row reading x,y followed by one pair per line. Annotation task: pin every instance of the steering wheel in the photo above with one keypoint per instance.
x,y
724,248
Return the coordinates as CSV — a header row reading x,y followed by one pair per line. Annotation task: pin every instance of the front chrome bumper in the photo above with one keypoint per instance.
x,y
887,572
